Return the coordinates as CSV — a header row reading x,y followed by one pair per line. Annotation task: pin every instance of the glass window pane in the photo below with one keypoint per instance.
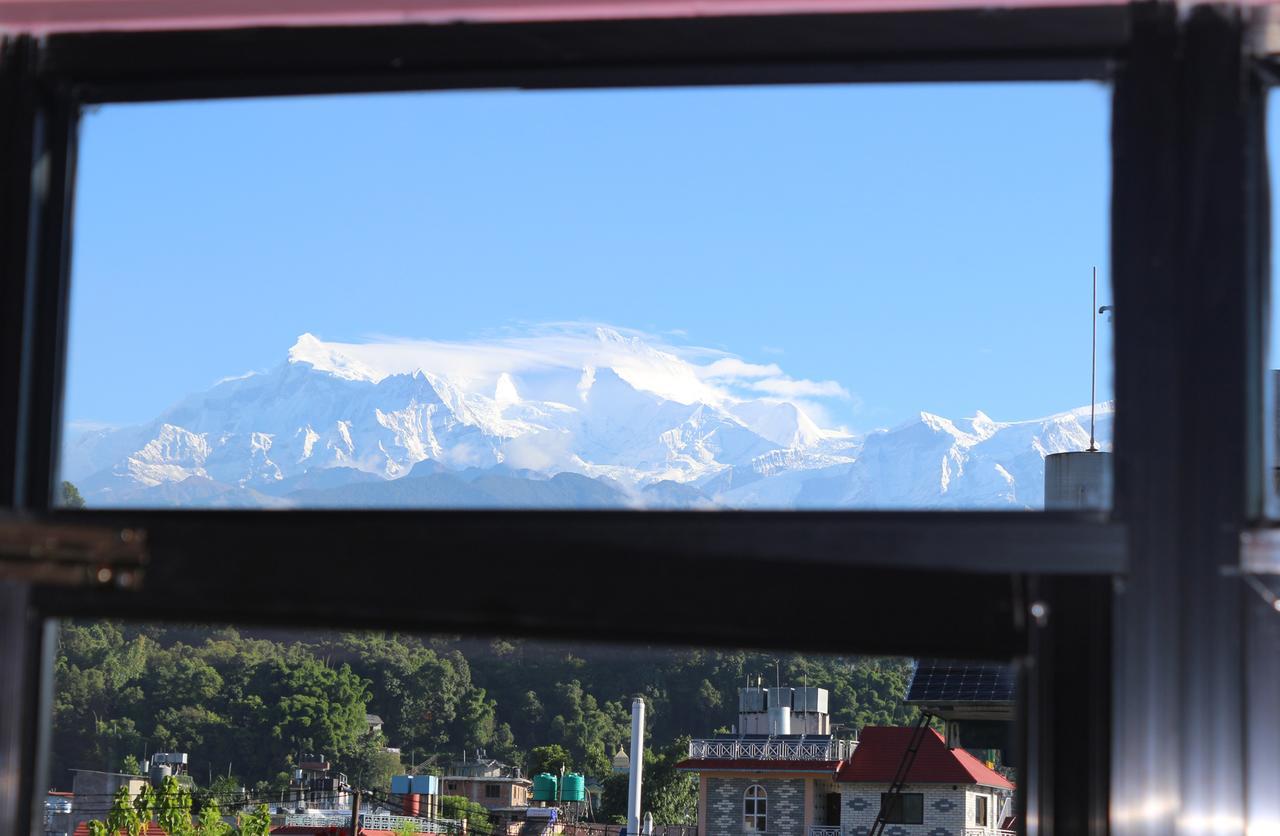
x,y
782,297
299,720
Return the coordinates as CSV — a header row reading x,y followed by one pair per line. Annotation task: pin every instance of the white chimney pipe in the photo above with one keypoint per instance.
x,y
637,766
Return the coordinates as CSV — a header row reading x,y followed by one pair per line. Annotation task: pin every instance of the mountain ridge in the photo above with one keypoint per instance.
x,y
331,427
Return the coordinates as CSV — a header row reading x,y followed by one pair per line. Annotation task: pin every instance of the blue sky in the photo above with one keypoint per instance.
x,y
928,247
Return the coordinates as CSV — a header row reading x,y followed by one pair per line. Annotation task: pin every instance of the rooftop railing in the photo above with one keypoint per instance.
x,y
771,749
373,821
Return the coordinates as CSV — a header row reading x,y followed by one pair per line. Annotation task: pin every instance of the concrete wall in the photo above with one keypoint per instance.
x,y
785,811
820,791
93,793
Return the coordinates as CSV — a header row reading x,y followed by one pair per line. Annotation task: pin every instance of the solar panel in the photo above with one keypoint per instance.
x,y
942,681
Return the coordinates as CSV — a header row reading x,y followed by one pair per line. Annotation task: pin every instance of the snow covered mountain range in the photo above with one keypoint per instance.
x,y
598,420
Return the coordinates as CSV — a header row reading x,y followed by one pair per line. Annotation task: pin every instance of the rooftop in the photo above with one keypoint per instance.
x,y
880,752
819,747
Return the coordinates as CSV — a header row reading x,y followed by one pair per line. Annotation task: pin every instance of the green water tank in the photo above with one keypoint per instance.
x,y
544,787
574,789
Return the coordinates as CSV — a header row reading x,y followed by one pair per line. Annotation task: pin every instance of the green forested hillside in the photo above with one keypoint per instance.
x,y
248,703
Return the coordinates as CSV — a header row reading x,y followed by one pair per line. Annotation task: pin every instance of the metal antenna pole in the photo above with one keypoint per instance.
x,y
1093,371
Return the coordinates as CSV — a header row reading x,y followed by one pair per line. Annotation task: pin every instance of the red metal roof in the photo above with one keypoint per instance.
x,y
745,765
880,750
153,829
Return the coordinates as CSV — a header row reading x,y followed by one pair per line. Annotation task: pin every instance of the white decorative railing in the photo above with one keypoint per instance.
x,y
303,820
375,822
988,831
824,830
771,749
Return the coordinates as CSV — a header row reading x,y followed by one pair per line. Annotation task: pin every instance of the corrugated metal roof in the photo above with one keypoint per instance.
x,y
880,750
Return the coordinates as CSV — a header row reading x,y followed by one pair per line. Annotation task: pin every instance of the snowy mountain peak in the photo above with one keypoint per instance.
x,y
327,357
568,414
608,335
505,392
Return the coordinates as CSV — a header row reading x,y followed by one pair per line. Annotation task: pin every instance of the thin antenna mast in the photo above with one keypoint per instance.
x,y
1093,371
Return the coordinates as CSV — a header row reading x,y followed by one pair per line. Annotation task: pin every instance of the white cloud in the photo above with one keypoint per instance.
x,y
785,387
733,367
547,361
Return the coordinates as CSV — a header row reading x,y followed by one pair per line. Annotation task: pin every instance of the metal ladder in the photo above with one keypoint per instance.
x,y
918,731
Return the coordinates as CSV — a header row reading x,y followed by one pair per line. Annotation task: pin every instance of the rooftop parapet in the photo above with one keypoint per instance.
x,y
772,749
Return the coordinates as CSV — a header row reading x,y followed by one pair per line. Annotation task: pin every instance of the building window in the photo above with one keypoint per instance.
x,y
753,808
491,791
903,808
453,785
980,810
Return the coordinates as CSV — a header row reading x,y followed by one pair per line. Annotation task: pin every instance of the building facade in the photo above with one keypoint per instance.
x,y
775,772
814,784
496,786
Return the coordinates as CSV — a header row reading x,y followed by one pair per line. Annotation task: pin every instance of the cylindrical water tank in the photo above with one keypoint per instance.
x,y
1077,481
544,787
574,788
779,719
412,803
159,772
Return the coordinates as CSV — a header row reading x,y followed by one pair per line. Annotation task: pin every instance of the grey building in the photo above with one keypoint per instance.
x,y
776,773
93,790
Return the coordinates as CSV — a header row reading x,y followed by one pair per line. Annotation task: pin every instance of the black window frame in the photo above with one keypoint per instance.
x,y
896,810
1143,610
492,791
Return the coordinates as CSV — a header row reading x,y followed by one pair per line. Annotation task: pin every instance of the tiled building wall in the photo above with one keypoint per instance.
x,y
785,808
945,810
971,805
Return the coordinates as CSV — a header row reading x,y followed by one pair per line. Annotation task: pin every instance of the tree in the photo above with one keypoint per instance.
x,y
613,799
551,758
144,802
173,808
503,747
129,765
369,765
475,720
225,789
458,807
210,822
256,822
671,795
71,497
123,816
